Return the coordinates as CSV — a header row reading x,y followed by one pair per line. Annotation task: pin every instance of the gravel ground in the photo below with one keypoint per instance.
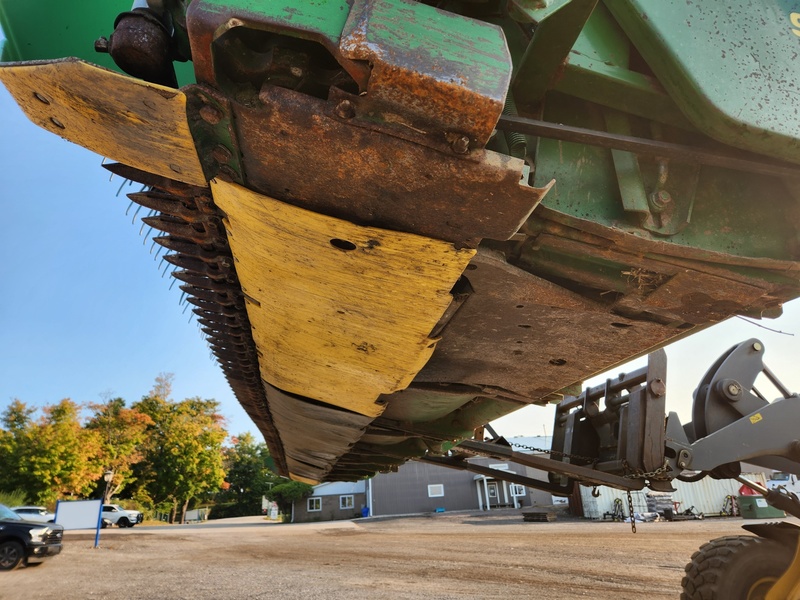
x,y
438,557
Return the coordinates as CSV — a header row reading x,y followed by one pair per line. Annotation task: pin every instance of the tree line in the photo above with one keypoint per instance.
x,y
158,454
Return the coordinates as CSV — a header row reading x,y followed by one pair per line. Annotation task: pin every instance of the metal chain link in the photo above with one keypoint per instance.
x,y
552,452
631,472
630,512
655,475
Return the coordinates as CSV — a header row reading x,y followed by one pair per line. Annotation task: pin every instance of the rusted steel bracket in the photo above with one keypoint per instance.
x,y
404,124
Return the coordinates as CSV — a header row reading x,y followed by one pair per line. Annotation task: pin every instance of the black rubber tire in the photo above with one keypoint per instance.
x,y
123,522
737,567
12,555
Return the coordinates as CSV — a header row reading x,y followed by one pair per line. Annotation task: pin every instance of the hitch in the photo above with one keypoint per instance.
x,y
616,434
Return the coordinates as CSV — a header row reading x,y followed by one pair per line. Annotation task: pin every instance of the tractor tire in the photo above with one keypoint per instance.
x,y
737,567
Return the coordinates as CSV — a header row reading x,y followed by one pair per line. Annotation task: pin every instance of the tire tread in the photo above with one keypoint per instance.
x,y
710,564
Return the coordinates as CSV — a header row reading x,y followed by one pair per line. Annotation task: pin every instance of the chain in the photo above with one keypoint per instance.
x,y
556,452
630,512
637,474
631,473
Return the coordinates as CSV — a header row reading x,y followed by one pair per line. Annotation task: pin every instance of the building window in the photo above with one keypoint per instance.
x,y
517,490
436,490
314,504
346,502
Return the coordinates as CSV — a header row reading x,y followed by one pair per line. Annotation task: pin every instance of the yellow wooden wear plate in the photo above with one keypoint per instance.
x,y
140,124
340,313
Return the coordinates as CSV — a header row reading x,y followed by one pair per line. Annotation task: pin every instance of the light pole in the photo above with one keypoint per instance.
x,y
107,477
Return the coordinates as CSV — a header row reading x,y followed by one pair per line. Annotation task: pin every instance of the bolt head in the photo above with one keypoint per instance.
x,y
101,45
229,173
658,388
221,154
660,200
211,114
345,110
460,144
758,347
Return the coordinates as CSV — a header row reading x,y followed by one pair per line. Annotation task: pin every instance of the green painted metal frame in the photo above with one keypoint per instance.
x,y
730,67
69,28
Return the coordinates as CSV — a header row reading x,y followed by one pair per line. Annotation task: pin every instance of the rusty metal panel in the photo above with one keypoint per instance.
x,y
529,336
321,21
430,63
400,185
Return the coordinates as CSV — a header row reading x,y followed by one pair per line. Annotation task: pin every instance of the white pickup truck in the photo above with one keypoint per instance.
x,y
787,481
116,515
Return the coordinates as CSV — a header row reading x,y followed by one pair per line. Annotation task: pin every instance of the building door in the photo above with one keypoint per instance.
x,y
491,487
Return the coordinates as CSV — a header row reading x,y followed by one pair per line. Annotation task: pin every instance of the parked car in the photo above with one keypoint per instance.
x,y
35,513
116,515
26,542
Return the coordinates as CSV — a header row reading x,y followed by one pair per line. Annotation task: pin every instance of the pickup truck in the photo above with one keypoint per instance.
x,y
26,542
116,515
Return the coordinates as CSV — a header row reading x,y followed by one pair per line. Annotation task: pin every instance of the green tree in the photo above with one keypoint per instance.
x,y
249,478
16,421
57,456
285,494
183,450
121,433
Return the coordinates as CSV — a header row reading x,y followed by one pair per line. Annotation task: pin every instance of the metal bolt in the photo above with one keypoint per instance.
x,y
229,173
682,464
211,114
221,154
660,200
658,388
101,45
734,389
758,347
345,110
460,144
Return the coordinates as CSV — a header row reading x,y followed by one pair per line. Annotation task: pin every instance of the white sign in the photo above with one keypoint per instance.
x,y
78,514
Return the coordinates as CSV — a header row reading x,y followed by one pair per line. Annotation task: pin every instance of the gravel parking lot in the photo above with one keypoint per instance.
x,y
445,556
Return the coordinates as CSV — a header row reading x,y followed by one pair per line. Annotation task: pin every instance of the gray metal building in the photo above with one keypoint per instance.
x,y
420,487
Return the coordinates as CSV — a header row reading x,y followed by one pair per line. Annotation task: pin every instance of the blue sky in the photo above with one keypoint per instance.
x,y
86,314
84,310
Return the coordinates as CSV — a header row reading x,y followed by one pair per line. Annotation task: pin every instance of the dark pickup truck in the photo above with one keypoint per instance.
x,y
26,542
